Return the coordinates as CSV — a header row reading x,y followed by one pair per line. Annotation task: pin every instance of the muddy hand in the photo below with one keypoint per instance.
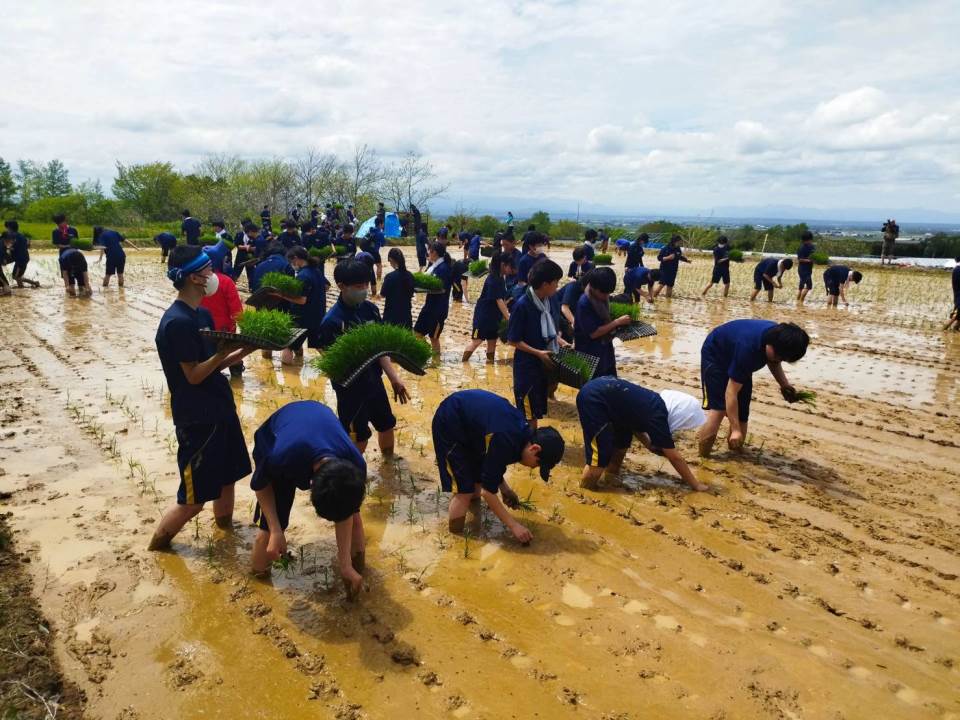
x,y
522,534
276,546
352,583
789,393
735,441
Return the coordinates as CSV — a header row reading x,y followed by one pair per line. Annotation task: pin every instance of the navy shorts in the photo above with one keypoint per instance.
x,y
713,381
364,403
530,392
600,436
721,274
115,266
459,468
759,279
210,456
806,282
668,280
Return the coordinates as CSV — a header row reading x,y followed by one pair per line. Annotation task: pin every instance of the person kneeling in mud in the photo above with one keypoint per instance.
x,y
476,435
304,446
730,355
613,411
211,451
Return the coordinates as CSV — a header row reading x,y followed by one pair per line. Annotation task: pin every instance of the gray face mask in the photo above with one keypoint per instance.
x,y
353,297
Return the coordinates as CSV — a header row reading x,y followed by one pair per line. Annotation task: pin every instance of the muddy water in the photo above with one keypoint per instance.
x,y
817,579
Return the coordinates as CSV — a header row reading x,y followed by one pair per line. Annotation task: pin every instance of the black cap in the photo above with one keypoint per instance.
x,y
551,449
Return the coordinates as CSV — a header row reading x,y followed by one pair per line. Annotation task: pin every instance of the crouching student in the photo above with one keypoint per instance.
x,y
476,435
769,273
613,412
730,355
73,269
593,327
366,401
303,446
490,309
580,265
837,279
111,244
167,242
638,278
533,332
211,452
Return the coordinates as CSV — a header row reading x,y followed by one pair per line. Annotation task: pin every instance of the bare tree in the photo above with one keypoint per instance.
x,y
365,172
408,182
315,172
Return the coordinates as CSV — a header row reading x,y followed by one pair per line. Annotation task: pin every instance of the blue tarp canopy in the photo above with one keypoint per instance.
x,y
391,226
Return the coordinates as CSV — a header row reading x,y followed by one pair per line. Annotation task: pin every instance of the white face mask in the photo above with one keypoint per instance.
x,y
212,284
353,297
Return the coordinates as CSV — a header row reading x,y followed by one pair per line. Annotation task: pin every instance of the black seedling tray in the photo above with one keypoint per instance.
x,y
424,291
262,298
251,341
566,375
479,274
635,331
400,359
486,251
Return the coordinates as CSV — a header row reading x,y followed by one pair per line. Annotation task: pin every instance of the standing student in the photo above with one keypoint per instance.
x,y
589,242
476,436
224,304
365,402
490,309
290,237
397,291
190,228
302,446
211,452
729,356
422,243
891,231
533,244
246,249
373,244
569,299
274,260
111,245
295,213
533,330
837,279
64,233
527,237
315,215
613,411
19,253
167,242
721,266
767,274
347,240
580,265
955,282
265,220
220,230
381,213
458,269
603,237
73,270
670,257
436,307
636,279
635,252
805,265
593,327
6,243
309,308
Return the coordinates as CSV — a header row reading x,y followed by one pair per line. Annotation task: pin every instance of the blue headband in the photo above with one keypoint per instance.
x,y
176,274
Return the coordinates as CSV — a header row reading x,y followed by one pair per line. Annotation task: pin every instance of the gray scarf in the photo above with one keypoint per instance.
x,y
548,329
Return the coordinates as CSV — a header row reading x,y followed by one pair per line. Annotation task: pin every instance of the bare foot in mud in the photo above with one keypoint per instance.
x,y
225,522
160,541
456,525
359,561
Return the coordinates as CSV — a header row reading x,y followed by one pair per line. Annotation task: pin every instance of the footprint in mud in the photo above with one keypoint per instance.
x,y
96,655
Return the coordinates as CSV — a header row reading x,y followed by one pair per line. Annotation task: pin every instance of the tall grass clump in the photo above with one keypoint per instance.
x,y
620,309
282,283
273,326
427,282
356,346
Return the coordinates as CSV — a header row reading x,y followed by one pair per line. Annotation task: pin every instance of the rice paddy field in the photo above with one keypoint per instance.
x,y
817,579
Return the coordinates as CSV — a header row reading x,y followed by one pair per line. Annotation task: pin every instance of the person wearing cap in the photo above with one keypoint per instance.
x,y
837,279
190,228
635,279
64,233
211,451
805,265
302,446
167,242
365,402
670,257
729,356
721,266
73,270
613,411
110,243
769,273
476,436
533,331
19,253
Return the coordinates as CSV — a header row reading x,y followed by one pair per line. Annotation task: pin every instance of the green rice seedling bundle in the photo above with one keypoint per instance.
x,y
356,346
427,282
273,326
478,267
603,259
736,256
81,243
808,397
324,252
209,239
577,365
620,309
230,244
282,283
820,258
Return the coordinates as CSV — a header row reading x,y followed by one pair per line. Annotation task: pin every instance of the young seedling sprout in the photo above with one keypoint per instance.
x,y
807,397
527,504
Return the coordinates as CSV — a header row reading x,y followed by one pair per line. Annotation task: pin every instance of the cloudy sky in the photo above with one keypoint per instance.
x,y
630,105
